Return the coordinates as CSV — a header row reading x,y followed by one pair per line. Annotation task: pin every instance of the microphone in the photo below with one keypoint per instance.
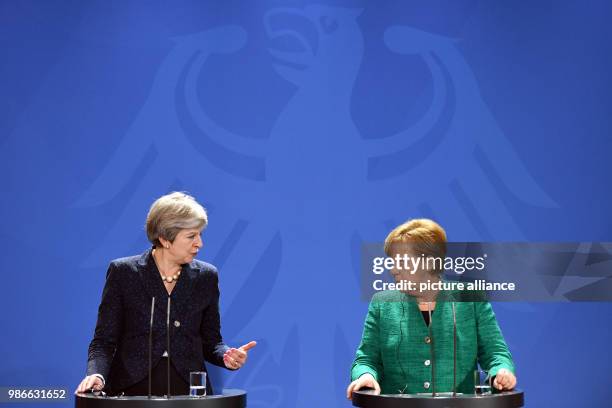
x,y
168,345
151,343
454,351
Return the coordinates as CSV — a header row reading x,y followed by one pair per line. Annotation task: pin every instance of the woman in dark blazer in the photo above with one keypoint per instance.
x,y
118,354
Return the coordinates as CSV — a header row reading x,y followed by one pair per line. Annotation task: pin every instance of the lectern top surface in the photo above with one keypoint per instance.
x,y
228,392
442,395
506,399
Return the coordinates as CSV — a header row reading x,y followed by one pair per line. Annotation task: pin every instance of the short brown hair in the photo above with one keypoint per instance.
x,y
171,213
425,236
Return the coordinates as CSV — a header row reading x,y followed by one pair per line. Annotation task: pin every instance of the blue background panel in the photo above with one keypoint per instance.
x,y
305,129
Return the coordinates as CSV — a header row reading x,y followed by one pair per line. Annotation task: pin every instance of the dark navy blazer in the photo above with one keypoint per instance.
x,y
119,349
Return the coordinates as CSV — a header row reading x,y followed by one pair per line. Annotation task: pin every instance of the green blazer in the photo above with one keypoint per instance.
x,y
397,350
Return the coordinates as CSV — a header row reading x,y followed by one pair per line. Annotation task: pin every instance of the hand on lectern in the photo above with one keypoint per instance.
x,y
504,380
90,382
234,358
365,381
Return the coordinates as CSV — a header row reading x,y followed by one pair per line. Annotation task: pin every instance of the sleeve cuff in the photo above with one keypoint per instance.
x,y
493,371
100,376
361,370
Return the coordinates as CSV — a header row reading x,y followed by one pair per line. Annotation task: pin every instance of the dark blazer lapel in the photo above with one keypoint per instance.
x,y
181,295
151,281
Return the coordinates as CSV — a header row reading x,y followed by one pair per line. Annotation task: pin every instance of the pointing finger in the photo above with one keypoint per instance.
x,y
248,346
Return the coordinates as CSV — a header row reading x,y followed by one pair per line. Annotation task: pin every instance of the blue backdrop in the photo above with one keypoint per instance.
x,y
305,128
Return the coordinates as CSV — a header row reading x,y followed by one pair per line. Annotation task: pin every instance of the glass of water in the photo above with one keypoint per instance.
x,y
482,383
197,384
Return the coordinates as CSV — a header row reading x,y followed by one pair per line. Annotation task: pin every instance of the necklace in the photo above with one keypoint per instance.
x,y
171,278
166,278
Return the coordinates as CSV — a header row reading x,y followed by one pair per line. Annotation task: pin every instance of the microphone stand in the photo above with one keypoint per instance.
x,y
151,343
454,351
433,361
168,345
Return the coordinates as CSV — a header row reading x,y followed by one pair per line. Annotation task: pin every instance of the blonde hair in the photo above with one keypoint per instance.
x,y
424,236
171,213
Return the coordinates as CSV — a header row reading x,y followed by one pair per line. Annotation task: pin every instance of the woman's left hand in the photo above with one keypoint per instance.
x,y
234,358
504,380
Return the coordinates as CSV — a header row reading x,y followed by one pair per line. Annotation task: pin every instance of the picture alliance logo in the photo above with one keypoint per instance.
x,y
412,264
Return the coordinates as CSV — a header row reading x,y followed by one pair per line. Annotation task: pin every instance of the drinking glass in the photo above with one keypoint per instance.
x,y
482,383
197,384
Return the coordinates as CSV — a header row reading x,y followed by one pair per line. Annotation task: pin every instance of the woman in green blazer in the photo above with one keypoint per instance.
x,y
409,337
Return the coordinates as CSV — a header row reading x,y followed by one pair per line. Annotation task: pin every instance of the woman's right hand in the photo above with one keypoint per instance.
x,y
365,381
89,382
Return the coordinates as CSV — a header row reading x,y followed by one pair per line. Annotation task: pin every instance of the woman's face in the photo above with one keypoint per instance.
x,y
407,272
186,245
